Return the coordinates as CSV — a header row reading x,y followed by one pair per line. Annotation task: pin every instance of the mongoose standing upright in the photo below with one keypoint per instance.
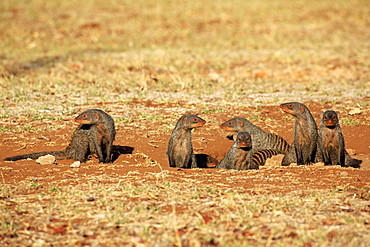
x,y
180,148
261,139
102,132
241,156
83,143
304,147
331,141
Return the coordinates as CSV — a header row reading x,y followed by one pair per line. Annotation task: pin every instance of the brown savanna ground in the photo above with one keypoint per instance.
x,y
147,63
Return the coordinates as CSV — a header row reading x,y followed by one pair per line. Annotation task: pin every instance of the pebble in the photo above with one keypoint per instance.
x,y
343,174
351,151
75,164
46,160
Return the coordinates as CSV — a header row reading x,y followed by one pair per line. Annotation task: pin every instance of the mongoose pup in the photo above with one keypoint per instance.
x,y
84,142
102,131
304,147
241,155
331,141
180,148
261,139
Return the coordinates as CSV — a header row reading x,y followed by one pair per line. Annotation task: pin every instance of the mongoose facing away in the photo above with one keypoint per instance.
x,y
83,144
180,148
102,132
331,141
261,139
241,156
304,147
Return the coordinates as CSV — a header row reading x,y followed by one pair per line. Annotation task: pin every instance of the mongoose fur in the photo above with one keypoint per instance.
x,y
180,148
304,148
261,139
331,141
84,142
102,132
241,156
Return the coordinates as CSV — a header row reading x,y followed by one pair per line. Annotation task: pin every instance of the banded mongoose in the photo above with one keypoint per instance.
x,y
259,158
180,148
304,148
331,141
241,156
261,139
102,131
84,142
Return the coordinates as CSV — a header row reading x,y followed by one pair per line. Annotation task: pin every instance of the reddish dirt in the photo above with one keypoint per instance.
x,y
150,143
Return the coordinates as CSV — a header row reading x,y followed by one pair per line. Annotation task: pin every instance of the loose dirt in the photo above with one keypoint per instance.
x,y
142,144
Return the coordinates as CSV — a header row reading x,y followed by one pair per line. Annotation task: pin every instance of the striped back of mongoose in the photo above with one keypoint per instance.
x,y
261,139
277,143
259,158
331,141
180,148
239,155
304,148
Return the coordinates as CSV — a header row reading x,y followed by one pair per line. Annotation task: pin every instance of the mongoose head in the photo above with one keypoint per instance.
x,y
330,118
191,121
234,124
242,140
293,108
87,117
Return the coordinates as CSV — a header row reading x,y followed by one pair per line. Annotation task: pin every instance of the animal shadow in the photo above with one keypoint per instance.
x,y
205,161
117,150
356,163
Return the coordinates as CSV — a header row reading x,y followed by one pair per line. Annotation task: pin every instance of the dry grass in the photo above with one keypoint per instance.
x,y
75,54
131,211
59,56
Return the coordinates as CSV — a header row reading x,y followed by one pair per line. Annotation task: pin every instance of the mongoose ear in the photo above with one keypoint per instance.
x,y
96,115
240,122
301,109
184,119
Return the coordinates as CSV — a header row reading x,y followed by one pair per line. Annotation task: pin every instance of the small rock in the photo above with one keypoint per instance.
x,y
215,77
275,160
75,164
46,160
355,111
351,151
343,174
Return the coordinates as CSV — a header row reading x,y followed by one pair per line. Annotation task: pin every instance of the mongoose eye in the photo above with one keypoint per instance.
x,y
290,105
229,123
84,115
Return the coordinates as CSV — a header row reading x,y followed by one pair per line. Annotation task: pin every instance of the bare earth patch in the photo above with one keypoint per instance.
x,y
147,63
138,199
